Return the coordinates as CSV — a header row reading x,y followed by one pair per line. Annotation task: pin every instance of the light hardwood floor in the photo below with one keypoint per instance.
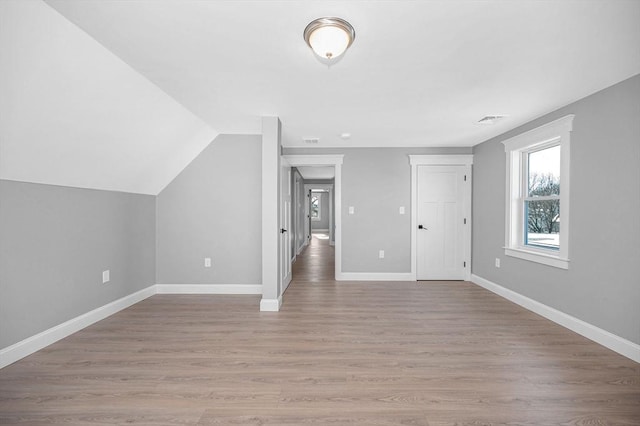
x,y
428,353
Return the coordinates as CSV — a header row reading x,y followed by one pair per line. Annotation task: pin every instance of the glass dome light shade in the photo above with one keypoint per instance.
x,y
329,42
329,37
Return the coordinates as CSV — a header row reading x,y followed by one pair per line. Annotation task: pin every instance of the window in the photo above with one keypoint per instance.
x,y
537,190
315,206
542,198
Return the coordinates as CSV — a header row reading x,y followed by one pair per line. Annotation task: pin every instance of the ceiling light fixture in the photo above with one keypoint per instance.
x,y
329,37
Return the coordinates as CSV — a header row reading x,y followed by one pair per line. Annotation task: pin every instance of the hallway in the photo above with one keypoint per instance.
x,y
317,260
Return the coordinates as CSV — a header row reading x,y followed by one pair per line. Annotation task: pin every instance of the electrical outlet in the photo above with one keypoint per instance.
x,y
207,262
381,254
105,276
352,210
497,262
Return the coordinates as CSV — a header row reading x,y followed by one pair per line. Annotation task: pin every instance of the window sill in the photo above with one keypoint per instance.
x,y
533,256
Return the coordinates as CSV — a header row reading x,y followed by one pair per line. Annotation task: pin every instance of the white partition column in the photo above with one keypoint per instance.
x,y
271,293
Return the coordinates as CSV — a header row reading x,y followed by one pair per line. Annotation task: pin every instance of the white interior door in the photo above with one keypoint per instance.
x,y
285,227
441,223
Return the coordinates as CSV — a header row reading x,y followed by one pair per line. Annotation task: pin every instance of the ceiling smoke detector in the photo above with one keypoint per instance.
x,y
491,119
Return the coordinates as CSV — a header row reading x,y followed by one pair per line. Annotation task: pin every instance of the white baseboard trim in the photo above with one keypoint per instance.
x,y
208,288
299,249
375,276
270,305
286,281
32,344
609,340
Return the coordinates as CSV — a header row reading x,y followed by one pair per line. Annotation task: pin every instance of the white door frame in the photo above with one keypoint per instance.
x,y
336,162
298,223
440,160
286,259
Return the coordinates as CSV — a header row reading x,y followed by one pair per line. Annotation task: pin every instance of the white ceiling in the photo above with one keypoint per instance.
x,y
420,73
316,172
73,114
122,95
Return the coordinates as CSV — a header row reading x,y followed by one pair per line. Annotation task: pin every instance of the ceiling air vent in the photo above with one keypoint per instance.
x,y
490,119
313,141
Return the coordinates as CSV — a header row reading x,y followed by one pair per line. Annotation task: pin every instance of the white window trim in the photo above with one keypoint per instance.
x,y
556,132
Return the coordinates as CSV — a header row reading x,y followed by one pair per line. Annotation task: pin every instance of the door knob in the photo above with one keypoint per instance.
x,y
422,227
282,230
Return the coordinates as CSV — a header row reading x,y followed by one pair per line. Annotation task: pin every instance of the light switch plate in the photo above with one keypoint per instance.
x,y
207,262
105,276
352,210
401,210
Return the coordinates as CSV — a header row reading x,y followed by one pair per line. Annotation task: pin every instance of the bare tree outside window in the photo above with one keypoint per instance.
x,y
315,207
542,202
544,216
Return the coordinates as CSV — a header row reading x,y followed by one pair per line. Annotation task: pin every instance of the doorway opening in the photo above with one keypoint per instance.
x,y
316,259
315,213
320,211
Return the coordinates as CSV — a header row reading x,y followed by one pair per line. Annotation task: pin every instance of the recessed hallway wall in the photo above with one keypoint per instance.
x,y
376,182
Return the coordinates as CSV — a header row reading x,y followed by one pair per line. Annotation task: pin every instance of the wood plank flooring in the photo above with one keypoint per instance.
x,y
371,353
316,262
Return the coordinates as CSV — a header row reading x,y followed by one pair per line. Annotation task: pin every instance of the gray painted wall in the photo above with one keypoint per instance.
x,y
323,223
213,209
601,286
376,182
54,244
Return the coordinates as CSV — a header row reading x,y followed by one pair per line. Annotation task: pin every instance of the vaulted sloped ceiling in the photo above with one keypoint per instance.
x,y
74,114
419,73
122,95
